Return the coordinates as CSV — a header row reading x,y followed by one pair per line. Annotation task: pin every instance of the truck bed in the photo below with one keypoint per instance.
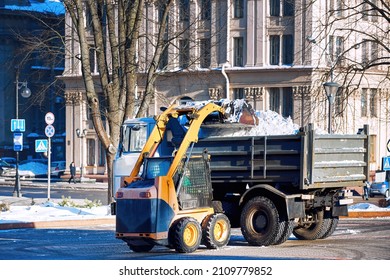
x,y
305,160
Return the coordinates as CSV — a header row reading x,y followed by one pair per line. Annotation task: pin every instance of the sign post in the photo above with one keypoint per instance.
x,y
49,132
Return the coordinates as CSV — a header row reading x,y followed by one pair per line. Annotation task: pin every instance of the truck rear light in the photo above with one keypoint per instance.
x,y
145,195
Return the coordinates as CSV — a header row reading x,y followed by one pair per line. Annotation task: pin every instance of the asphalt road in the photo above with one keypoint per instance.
x,y
354,239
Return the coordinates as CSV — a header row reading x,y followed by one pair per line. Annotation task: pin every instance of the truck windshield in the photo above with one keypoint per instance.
x,y
134,138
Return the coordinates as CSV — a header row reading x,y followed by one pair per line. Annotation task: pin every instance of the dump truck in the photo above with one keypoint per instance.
x,y
270,186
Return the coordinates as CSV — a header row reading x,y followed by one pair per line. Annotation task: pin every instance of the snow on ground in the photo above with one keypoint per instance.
x,y
50,211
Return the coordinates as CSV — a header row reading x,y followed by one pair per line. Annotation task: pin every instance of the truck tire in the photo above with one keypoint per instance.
x,y
141,248
332,224
185,235
260,221
286,229
314,226
216,231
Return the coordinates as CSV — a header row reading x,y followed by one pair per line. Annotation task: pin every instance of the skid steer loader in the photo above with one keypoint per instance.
x,y
168,200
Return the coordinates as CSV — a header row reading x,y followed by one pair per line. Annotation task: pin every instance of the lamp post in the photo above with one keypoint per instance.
x,y
331,89
26,92
81,135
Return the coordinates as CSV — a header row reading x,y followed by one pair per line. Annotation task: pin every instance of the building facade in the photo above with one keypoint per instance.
x,y
276,54
26,63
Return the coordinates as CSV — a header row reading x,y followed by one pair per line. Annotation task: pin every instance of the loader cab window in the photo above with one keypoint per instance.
x,y
154,167
134,138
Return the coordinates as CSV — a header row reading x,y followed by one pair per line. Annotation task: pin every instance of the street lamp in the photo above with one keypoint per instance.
x,y
331,89
26,93
81,135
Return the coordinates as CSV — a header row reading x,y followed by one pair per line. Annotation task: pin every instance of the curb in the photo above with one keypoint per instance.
x,y
58,223
367,214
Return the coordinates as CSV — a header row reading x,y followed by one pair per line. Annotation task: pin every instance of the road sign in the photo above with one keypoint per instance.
x,y
388,146
18,125
18,141
49,130
386,163
49,118
41,145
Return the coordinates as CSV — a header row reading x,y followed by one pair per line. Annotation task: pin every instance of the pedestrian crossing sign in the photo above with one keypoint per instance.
x,y
386,163
41,145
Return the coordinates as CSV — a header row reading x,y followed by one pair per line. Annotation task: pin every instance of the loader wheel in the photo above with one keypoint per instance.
x,y
312,227
185,235
141,248
260,221
216,231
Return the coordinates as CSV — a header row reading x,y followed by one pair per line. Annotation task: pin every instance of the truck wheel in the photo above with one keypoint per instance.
x,y
141,248
216,231
312,227
331,228
286,229
260,221
185,235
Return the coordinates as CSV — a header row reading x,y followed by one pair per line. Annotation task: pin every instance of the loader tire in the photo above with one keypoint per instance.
x,y
216,231
260,221
313,226
185,235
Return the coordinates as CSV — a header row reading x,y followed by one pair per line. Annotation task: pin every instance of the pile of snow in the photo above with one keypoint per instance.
x,y
50,211
367,207
269,122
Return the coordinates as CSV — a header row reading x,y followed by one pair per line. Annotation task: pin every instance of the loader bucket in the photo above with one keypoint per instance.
x,y
238,111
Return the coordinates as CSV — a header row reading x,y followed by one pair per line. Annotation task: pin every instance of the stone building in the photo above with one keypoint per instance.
x,y
277,54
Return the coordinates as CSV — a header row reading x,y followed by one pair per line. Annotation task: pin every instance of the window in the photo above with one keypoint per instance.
x,y
238,8
205,55
288,7
281,101
91,152
364,53
184,53
274,8
363,103
274,49
288,50
238,93
205,6
339,102
93,60
238,51
184,10
373,103
336,50
164,57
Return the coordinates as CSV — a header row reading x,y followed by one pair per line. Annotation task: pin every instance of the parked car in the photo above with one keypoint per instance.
x,y
6,169
381,184
9,160
57,168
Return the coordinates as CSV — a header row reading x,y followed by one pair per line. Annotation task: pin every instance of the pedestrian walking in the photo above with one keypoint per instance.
x,y
72,169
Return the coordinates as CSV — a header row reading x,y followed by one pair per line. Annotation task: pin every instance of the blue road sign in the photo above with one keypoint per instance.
x,y
49,130
18,141
18,125
386,163
41,145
